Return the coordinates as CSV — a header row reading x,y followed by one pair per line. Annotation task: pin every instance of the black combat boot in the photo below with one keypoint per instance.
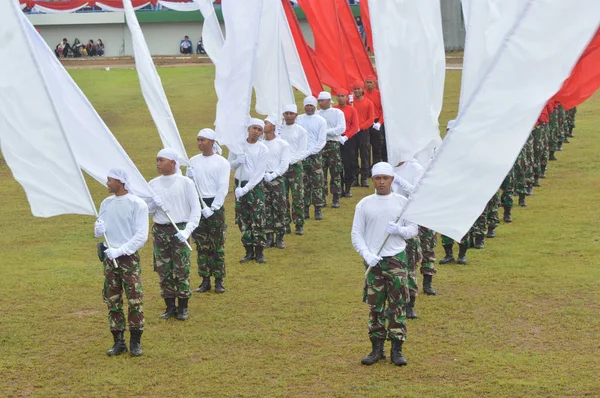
x,y
279,243
522,202
507,217
288,229
204,286
171,310
299,229
249,254
410,308
462,254
543,175
377,352
491,232
449,259
397,357
307,212
135,336
536,181
182,311
427,288
364,183
570,133
552,157
335,204
119,347
529,191
479,241
270,242
219,288
260,256
355,183
318,213
347,193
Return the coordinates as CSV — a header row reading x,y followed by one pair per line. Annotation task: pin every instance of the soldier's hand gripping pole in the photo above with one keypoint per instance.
x,y
114,260
381,248
176,228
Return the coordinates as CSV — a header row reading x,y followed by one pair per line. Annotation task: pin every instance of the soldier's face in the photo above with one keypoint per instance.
x,y
383,184
254,133
358,92
310,109
325,104
113,185
204,143
370,85
269,128
342,99
290,117
165,166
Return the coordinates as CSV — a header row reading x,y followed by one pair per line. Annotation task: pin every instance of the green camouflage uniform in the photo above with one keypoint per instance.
x,y
540,148
388,281
555,133
332,165
446,240
294,182
172,260
520,172
530,159
563,122
428,241
313,180
571,117
491,211
276,205
210,245
508,187
250,216
127,277
414,258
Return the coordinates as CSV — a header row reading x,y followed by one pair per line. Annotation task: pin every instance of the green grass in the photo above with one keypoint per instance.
x,y
520,320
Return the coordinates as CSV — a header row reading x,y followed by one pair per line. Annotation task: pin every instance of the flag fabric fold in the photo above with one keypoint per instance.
x,y
212,35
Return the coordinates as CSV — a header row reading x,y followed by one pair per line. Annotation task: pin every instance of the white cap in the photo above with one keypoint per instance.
x,y
290,108
169,153
118,174
256,122
271,120
324,95
382,168
207,133
310,101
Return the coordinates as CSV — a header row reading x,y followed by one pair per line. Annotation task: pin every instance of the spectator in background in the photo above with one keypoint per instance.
x,y
91,48
76,48
62,49
185,47
200,47
99,48
361,30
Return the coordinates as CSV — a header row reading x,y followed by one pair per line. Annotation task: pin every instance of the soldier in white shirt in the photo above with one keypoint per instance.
x,y
332,153
375,218
314,181
250,167
274,183
177,195
124,220
210,171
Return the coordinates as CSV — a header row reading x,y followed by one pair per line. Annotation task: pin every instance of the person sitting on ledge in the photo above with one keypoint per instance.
x,y
185,47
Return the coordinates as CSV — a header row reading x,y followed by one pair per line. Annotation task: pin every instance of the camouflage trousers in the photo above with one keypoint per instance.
x,y
275,205
128,278
210,244
521,171
294,184
314,181
571,117
563,122
414,257
171,261
555,135
428,239
387,283
530,160
508,188
490,212
332,165
540,148
250,216
466,240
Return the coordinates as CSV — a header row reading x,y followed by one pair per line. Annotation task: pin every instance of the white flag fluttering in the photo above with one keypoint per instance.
x,y
152,88
234,71
292,58
212,35
480,149
411,65
32,139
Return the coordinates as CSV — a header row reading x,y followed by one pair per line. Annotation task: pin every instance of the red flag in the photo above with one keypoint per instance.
x,y
365,16
354,40
584,79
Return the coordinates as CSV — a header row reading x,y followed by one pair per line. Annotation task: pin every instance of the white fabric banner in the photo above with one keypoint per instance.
x,y
118,9
176,6
23,6
411,66
152,88
94,146
233,82
292,58
271,78
32,139
212,35
529,67
46,10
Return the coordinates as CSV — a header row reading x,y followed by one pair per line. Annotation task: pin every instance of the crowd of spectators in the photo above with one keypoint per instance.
x,y
77,50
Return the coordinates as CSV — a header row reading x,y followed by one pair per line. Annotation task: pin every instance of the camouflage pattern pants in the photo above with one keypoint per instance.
x,y
555,136
413,258
171,261
332,165
520,172
314,181
128,278
540,148
210,244
250,216
294,184
428,238
508,187
530,159
446,240
491,211
571,117
563,122
387,283
275,209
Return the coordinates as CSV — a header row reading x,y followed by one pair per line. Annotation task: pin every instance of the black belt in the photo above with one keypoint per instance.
x,y
208,201
242,185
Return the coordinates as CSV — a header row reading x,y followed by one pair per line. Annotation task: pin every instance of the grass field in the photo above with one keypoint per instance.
x,y
520,320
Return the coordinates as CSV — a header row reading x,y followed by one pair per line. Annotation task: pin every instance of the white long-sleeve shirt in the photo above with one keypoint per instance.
x,y
411,172
253,171
336,123
371,219
297,137
279,156
126,221
317,132
180,199
211,174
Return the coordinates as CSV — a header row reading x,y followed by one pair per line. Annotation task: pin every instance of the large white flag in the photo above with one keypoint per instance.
x,y
152,88
480,149
32,139
212,35
411,64
292,57
233,82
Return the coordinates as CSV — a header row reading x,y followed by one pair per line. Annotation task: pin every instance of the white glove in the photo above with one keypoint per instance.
x,y
372,259
241,159
157,201
239,192
99,228
113,253
377,126
207,212
393,228
182,236
190,172
351,98
343,139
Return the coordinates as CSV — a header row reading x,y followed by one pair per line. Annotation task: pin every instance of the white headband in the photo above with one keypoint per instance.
x,y
170,154
256,122
290,108
118,174
382,168
310,101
